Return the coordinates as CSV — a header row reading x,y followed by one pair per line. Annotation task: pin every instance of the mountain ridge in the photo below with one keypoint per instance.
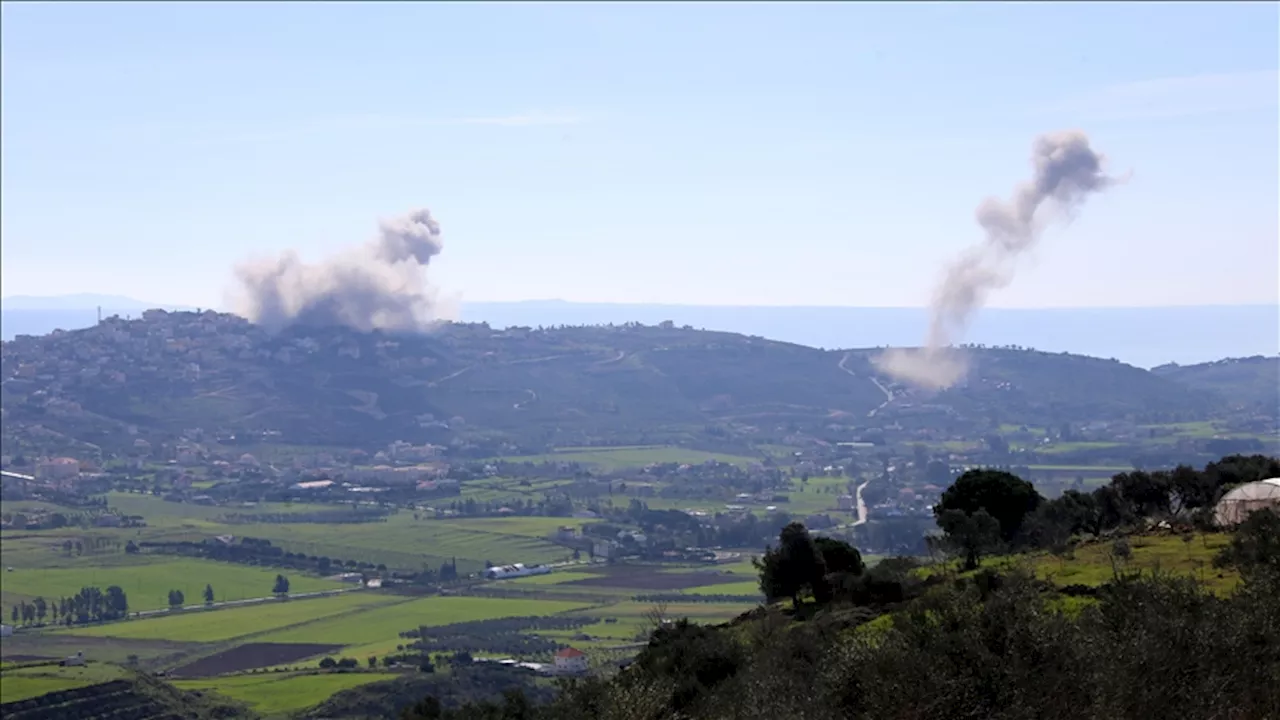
x,y
475,386
1145,337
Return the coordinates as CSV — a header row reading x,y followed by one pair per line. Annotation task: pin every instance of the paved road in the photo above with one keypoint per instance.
x,y
862,506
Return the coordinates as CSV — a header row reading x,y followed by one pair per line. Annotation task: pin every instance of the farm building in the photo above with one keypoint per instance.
x,y
500,572
571,661
1236,505
56,469
6,630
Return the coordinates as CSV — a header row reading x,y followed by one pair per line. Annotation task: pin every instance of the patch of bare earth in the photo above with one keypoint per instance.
x,y
251,656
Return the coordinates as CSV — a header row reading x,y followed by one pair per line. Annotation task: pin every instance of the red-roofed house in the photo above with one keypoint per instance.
x,y
571,661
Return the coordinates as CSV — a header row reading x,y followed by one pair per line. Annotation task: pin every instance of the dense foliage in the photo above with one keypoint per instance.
x,y
885,642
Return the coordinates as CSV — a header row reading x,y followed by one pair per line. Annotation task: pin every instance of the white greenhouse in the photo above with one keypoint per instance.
x,y
1236,505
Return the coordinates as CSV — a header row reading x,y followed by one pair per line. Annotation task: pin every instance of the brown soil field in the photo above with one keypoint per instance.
x,y
643,578
251,656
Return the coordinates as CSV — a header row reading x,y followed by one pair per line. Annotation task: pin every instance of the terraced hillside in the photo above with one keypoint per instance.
x,y
532,387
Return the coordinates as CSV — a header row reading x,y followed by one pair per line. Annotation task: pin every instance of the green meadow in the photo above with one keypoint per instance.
x,y
236,622
281,694
26,682
148,582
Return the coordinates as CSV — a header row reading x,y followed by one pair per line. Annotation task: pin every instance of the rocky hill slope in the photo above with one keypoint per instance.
x,y
171,372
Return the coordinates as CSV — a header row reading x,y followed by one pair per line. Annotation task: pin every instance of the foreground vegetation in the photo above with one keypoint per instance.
x,y
991,645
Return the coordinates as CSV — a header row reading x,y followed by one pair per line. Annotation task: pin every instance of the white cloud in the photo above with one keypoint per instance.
x,y
1207,94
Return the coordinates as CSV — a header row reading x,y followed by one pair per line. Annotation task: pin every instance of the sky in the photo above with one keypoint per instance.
x,y
725,153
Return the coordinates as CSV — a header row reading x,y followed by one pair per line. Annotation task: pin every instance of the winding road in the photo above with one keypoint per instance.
x,y
861,505
888,394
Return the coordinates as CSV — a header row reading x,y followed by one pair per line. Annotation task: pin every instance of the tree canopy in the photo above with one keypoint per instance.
x,y
1005,496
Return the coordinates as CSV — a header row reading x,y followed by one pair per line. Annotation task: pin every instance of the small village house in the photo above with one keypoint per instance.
x,y
571,661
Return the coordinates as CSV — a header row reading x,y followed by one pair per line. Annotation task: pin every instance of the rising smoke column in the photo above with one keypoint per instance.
x,y
1067,172
381,284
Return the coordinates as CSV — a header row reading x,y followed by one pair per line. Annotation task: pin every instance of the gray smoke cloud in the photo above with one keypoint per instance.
x,y
1066,172
381,284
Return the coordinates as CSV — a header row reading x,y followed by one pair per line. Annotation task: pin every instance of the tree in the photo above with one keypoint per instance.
x,y
373,662
176,599
327,662
117,602
839,556
40,609
1055,521
1005,496
1255,546
208,594
281,586
793,568
969,536
15,614
427,708
131,548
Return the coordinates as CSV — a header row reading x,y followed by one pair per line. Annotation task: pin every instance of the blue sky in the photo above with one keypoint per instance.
x,y
780,154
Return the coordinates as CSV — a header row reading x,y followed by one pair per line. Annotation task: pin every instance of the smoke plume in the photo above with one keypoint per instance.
x,y
1066,172
381,284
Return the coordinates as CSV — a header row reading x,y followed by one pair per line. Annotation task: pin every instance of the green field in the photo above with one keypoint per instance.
x,y
225,624
555,578
400,542
746,587
148,582
159,512
403,542
279,694
620,458
387,623
22,683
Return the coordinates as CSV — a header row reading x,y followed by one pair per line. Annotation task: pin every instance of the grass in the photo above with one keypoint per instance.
x,y
1092,565
278,694
400,542
555,578
159,512
225,624
148,582
27,682
1069,447
620,458
471,542
386,623
746,587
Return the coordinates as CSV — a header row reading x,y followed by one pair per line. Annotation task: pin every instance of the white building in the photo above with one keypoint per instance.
x,y
6,630
514,571
570,661
58,469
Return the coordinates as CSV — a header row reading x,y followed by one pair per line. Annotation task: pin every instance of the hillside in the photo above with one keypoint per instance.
x,y
467,383
1246,382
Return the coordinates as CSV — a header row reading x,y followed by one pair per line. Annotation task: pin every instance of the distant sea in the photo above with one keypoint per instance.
x,y
1144,337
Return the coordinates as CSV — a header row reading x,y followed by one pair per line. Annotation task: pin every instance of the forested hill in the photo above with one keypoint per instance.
x,y
546,386
1252,382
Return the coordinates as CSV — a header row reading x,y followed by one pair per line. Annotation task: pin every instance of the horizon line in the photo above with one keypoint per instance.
x,y
622,303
